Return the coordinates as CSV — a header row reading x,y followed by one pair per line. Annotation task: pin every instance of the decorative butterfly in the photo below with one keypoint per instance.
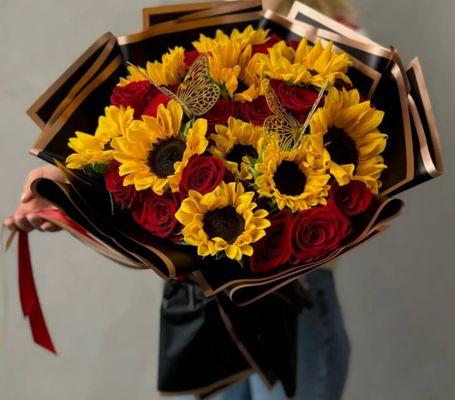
x,y
197,94
283,126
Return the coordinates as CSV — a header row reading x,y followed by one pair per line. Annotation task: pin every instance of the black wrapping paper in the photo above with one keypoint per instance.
x,y
209,343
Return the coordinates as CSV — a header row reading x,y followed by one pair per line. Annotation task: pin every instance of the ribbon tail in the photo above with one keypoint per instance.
x,y
29,296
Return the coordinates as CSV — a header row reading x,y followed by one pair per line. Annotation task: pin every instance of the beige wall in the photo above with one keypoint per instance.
x,y
397,291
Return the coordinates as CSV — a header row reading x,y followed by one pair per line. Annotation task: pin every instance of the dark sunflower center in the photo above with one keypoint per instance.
x,y
224,223
341,147
289,179
239,150
163,156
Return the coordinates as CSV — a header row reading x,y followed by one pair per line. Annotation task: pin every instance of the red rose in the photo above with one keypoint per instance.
x,y
351,199
157,213
134,94
273,249
316,232
190,56
155,100
298,99
202,173
220,113
123,195
263,48
255,111
293,43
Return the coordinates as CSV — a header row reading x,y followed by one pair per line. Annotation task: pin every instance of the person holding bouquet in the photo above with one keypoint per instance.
x,y
322,339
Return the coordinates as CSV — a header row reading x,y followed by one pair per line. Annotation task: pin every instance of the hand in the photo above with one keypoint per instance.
x,y
26,218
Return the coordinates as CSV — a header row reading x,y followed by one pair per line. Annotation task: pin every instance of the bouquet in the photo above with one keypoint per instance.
x,y
234,144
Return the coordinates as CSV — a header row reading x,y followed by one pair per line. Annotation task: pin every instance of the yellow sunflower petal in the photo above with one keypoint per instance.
x,y
357,122
233,196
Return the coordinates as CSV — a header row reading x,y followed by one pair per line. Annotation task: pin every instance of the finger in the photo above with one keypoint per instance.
x,y
35,220
49,227
22,223
27,195
9,223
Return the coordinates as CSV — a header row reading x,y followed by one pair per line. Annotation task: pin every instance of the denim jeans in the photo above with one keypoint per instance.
x,y
323,351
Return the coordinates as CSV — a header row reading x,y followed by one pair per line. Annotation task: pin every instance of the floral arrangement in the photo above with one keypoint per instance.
x,y
244,146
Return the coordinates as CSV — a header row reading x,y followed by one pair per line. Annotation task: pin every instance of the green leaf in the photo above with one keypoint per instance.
x,y
186,127
271,206
88,170
253,172
100,168
223,91
95,170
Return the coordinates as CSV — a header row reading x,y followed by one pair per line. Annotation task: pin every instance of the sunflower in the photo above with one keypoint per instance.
x,y
346,131
230,54
323,63
310,65
168,72
95,149
237,145
222,220
252,77
296,179
88,150
249,36
154,152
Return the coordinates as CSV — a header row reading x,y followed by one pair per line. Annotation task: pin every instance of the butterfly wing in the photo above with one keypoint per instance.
x,y
312,111
280,130
281,125
162,89
198,93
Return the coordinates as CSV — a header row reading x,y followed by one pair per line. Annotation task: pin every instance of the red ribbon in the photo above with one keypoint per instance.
x,y
29,296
